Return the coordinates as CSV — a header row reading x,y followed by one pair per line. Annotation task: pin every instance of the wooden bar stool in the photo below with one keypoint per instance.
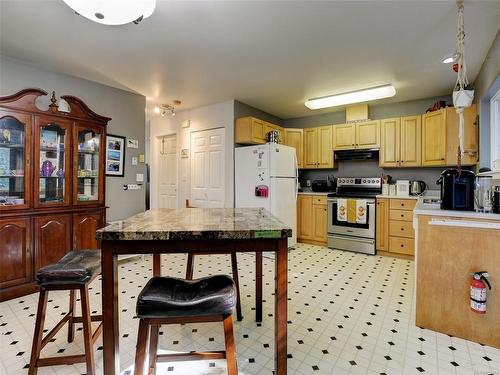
x,y
166,300
75,271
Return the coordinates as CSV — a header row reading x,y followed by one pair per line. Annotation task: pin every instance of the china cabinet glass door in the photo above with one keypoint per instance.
x,y
88,182
15,133
52,151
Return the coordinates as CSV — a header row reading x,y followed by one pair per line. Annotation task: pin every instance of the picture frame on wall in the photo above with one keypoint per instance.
x,y
115,155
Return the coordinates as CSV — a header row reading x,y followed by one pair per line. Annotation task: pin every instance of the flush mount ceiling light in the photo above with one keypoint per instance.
x,y
164,109
451,58
113,12
359,96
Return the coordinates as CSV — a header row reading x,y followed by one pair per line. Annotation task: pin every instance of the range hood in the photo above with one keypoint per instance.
x,y
358,155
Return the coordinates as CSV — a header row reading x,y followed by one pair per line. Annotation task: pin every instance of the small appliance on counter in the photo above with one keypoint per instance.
x,y
496,199
457,189
417,187
484,194
402,188
320,186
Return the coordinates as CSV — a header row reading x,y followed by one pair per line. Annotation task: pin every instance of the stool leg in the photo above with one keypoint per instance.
x,y
232,367
38,334
140,351
87,330
153,347
258,287
190,266
156,264
71,324
234,266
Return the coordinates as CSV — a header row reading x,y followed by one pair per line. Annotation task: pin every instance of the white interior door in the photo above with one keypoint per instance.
x,y
208,168
167,172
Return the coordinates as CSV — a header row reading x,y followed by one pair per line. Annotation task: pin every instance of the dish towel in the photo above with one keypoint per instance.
x,y
341,209
351,211
360,211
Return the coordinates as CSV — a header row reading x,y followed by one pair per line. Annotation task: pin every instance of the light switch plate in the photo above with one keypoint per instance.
x,y
134,160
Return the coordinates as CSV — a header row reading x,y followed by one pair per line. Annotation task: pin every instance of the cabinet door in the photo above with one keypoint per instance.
x,y
52,239
15,159
306,217
382,226
470,152
390,145
411,141
320,222
15,257
434,138
294,138
344,137
84,227
52,166
368,134
310,148
258,131
88,162
325,149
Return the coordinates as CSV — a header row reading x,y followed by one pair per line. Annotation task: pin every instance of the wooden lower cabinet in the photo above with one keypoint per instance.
x,y
52,239
312,219
15,257
84,227
394,231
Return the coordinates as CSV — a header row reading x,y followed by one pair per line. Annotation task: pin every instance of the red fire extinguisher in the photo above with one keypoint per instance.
x,y
478,291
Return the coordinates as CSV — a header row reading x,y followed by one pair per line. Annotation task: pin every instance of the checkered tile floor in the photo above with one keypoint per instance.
x,y
348,314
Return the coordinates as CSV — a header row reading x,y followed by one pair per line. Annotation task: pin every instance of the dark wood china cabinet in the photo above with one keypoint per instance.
x,y
51,185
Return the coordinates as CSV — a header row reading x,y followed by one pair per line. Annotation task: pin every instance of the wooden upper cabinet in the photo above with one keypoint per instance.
x,y
52,162
368,134
344,137
295,138
15,160
434,138
325,147
52,238
382,227
253,131
411,141
310,148
390,142
88,164
84,227
15,257
471,135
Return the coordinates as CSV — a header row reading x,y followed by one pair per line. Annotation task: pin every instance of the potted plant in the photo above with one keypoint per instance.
x,y
463,96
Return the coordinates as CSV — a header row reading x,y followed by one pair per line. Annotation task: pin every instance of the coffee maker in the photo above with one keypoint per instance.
x,y
457,189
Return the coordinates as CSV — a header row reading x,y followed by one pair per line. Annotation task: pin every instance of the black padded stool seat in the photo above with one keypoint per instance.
x,y
76,267
167,297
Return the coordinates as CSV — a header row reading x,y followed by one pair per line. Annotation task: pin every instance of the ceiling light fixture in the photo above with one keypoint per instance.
x,y
113,12
451,58
373,93
164,109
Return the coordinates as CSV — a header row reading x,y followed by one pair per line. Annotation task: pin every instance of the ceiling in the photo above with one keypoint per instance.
x,y
273,55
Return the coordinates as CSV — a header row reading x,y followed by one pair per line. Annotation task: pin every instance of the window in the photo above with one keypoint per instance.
x,y
495,126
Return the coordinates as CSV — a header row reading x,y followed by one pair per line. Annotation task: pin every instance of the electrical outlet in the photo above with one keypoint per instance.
x,y
308,183
134,160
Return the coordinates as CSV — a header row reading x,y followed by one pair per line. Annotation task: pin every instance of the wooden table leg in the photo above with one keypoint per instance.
x,y
281,309
110,316
258,286
156,264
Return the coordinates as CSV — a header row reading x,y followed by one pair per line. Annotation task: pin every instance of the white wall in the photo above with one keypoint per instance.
x,y
207,117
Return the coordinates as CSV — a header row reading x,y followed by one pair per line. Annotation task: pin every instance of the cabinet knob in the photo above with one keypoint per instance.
x,y
402,228
402,245
442,158
402,215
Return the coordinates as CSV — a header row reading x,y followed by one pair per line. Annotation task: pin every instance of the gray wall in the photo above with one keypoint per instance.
x,y
126,109
242,110
487,83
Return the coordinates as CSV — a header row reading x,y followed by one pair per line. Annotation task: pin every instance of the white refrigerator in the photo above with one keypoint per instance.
x,y
266,176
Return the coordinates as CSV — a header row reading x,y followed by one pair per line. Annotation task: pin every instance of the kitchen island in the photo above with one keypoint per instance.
x,y
200,230
450,246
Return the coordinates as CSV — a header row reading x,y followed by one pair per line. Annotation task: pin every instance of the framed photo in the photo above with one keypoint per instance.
x,y
115,155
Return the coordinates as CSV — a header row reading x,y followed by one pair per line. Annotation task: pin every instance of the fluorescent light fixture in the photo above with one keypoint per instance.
x,y
359,96
113,12
451,58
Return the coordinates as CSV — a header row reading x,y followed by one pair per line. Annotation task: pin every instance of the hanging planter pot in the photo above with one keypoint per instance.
x,y
463,98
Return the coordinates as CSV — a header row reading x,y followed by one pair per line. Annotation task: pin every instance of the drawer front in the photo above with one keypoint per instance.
x,y
319,200
401,215
402,204
401,229
402,245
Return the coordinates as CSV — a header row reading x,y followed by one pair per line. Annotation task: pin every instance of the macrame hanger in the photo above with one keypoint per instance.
x,y
462,80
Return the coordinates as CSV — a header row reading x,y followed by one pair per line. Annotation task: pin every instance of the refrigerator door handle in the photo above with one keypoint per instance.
x,y
296,177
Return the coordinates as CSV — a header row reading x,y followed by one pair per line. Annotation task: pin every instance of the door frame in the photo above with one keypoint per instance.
x,y
154,178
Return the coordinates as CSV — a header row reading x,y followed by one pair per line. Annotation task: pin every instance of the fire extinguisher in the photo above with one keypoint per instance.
x,y
478,291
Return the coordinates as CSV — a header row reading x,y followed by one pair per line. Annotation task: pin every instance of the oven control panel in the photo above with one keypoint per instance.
x,y
369,182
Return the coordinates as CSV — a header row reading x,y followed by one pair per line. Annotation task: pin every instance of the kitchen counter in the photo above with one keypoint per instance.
x,y
314,193
380,196
430,210
196,223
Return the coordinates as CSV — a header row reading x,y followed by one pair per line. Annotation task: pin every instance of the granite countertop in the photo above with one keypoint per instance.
x,y
197,224
433,210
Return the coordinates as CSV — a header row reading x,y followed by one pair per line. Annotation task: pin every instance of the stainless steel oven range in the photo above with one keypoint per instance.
x,y
352,236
